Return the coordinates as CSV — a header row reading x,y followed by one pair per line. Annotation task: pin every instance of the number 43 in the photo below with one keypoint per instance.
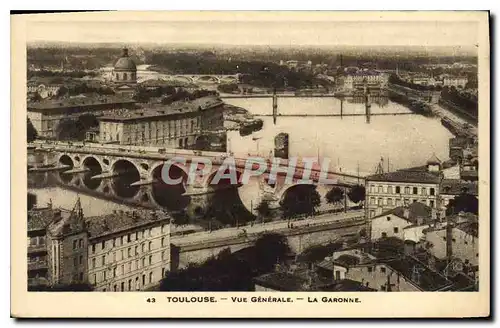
x,y
151,300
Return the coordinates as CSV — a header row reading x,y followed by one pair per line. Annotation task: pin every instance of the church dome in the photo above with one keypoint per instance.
x,y
125,62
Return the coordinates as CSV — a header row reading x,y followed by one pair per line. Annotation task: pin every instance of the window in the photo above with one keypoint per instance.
x,y
123,268
114,243
444,238
143,279
398,189
389,201
93,248
137,236
372,200
415,190
143,262
122,254
74,244
380,201
104,274
103,245
150,245
114,272
384,234
128,238
115,288
432,191
163,255
114,256
389,189
163,272
150,259
130,284
382,269
94,278
151,277
75,261
122,286
453,240
396,229
407,190
163,242
129,266
124,240
136,250
81,259
431,203
370,269
129,251
103,259
388,218
81,276
93,263
136,264
380,189
143,247
424,191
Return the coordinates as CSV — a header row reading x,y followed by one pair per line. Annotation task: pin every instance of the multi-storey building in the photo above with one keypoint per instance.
x,y
128,250
455,81
371,79
46,115
385,191
175,126
122,251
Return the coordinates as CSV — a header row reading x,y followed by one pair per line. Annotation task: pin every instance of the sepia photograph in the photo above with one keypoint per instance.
x,y
268,154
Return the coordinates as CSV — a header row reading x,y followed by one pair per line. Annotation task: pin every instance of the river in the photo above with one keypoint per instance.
x,y
349,142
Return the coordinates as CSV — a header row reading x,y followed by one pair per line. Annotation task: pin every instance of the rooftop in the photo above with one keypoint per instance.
x,y
120,221
40,218
415,210
416,176
79,102
175,108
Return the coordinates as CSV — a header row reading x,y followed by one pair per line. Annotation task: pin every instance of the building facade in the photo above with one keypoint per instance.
x,y
122,251
385,191
455,81
47,115
173,126
133,256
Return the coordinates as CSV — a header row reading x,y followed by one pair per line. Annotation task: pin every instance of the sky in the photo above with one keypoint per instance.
x,y
254,32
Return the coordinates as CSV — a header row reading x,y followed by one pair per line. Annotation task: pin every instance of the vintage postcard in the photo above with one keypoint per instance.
x,y
251,164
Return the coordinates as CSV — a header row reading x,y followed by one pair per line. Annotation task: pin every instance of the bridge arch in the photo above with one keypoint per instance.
x,y
170,196
65,159
126,173
207,78
94,167
183,78
228,79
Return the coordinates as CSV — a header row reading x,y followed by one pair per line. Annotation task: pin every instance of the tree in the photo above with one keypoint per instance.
x,y
31,132
300,199
357,193
463,203
334,195
271,248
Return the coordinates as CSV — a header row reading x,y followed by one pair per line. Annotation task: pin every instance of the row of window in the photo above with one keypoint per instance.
x,y
131,285
124,269
398,202
128,254
125,76
131,237
399,190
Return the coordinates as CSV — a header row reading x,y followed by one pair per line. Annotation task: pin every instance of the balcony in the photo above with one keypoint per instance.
x,y
37,248
37,265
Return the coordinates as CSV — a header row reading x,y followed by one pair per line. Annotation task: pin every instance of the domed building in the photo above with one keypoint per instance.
x,y
125,73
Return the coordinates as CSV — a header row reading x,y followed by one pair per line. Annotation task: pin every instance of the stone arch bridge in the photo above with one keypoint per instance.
x,y
132,174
